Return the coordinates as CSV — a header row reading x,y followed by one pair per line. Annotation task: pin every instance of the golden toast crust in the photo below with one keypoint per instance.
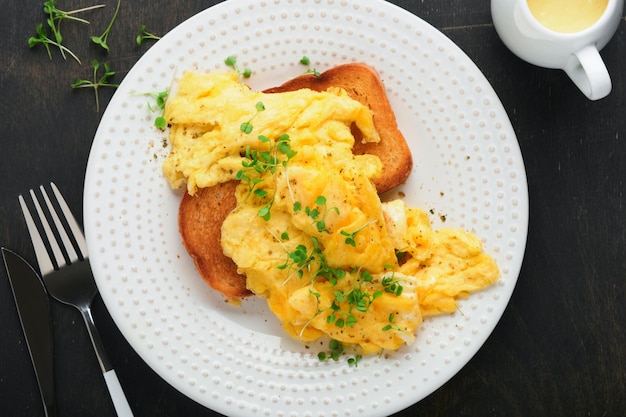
x,y
200,219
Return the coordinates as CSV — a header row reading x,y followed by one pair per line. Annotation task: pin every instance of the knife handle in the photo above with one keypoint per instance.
x,y
117,394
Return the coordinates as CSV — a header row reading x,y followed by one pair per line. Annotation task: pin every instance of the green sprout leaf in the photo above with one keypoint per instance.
x,y
97,82
259,165
145,35
246,127
54,17
160,98
336,349
231,61
306,61
102,39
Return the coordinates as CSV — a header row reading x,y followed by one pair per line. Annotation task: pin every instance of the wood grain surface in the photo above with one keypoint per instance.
x,y
559,349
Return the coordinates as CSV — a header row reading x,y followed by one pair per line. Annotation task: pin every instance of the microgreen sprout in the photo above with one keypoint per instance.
x,y
54,18
356,299
301,259
57,15
257,164
231,61
351,237
354,361
314,261
391,284
43,38
318,217
391,325
390,319
336,349
97,82
306,61
102,39
160,98
246,127
145,35
157,106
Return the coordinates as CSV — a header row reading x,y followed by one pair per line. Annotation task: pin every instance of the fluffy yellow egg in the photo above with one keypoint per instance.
x,y
208,110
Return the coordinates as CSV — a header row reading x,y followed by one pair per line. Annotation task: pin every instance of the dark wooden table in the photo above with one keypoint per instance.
x,y
559,349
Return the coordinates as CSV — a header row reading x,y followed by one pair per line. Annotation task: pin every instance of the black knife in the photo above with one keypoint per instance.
x,y
31,299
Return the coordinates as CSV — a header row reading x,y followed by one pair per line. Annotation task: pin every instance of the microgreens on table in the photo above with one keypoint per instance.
x,y
53,22
43,39
97,83
145,35
102,39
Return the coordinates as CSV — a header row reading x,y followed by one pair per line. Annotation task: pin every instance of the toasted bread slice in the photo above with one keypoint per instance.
x,y
201,216
362,83
200,219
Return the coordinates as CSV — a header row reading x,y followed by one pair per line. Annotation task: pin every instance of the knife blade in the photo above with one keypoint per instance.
x,y
33,309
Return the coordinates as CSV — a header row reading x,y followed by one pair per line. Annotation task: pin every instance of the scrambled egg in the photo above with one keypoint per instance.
x,y
310,232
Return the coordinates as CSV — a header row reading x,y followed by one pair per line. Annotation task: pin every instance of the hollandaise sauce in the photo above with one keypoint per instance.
x,y
567,16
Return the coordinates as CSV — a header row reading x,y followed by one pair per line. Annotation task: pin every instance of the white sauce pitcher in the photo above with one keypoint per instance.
x,y
528,30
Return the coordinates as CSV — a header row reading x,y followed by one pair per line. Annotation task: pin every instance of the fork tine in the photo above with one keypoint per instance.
x,y
71,221
56,249
45,264
67,243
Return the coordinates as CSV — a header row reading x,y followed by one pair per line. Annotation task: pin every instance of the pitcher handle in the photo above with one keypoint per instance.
x,y
588,71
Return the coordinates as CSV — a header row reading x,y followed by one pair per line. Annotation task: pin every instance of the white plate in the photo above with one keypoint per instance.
x,y
236,360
